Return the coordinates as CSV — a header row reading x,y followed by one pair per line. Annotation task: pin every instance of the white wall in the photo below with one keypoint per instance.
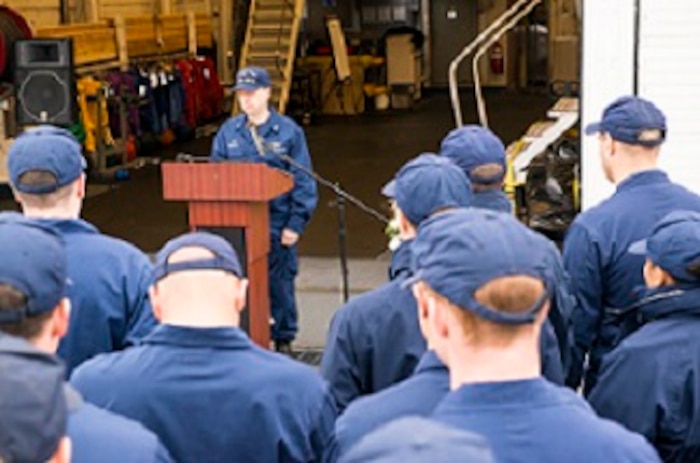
x,y
669,75
608,63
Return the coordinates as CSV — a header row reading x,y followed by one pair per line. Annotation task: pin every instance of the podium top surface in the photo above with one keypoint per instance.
x,y
223,181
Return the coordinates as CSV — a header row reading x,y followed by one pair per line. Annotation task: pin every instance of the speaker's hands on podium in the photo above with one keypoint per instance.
x,y
289,237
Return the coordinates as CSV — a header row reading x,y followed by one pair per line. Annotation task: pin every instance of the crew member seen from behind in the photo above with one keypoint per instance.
x,y
604,275
110,277
199,382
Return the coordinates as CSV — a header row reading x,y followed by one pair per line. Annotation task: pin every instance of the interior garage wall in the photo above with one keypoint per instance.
x,y
608,72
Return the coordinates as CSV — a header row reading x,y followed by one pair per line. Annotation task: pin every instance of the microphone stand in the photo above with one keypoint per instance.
x,y
341,198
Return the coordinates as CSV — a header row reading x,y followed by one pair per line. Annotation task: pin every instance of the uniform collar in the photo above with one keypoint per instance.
x,y
272,125
500,393
401,261
222,338
429,361
679,300
71,225
647,177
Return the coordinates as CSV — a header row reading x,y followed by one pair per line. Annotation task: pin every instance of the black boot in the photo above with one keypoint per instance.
x,y
284,347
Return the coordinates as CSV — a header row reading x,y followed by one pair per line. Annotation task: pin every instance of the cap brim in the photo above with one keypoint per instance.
x,y
593,128
247,87
638,248
389,189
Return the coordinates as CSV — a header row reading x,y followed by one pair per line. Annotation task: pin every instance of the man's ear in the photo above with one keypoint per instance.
x,y
241,294
80,187
154,297
61,318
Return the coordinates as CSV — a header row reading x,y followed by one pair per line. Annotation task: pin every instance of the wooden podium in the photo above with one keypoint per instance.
x,y
231,199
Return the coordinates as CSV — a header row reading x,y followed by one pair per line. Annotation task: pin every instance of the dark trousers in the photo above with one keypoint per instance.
x,y
282,268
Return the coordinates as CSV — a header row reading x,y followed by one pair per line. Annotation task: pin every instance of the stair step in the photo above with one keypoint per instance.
x,y
276,27
564,105
537,129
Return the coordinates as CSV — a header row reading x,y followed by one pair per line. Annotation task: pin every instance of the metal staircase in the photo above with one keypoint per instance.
x,y
270,43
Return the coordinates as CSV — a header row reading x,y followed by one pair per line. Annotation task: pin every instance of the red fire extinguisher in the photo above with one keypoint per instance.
x,y
496,58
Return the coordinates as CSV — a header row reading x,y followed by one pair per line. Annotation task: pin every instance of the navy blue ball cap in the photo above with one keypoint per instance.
x,y
674,245
225,257
415,439
33,410
33,263
473,146
45,148
252,78
427,184
458,252
632,120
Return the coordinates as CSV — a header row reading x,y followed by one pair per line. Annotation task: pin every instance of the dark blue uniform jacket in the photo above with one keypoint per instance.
x,y
416,395
495,200
110,278
374,340
213,396
650,382
535,421
98,435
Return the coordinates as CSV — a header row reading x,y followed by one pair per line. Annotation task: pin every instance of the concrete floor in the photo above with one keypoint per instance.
x,y
361,152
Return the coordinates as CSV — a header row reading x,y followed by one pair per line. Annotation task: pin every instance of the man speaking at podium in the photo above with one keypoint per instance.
x,y
261,134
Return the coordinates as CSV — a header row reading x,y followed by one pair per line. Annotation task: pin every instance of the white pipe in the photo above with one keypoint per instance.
x,y
454,65
480,104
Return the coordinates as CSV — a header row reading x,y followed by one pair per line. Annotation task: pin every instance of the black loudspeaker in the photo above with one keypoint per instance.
x,y
45,82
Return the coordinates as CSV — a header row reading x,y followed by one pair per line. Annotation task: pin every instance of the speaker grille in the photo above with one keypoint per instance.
x,y
44,96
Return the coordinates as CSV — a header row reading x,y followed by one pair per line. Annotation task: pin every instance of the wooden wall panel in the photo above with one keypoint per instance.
x,y
37,12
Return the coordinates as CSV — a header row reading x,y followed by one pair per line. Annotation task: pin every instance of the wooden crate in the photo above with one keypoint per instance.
x,y
92,43
38,13
174,34
204,31
141,36
126,8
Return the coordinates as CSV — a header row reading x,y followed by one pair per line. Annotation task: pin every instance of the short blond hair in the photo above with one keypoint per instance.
x,y
511,294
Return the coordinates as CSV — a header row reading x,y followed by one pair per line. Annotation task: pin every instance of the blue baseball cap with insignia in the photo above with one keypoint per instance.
x,y
632,120
458,252
34,263
252,78
419,440
474,146
49,149
33,409
225,257
674,245
427,184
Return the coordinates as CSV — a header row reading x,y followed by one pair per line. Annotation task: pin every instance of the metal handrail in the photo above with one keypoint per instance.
x,y
478,93
454,65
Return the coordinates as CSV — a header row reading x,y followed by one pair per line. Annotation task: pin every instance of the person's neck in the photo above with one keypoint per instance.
x,y
259,118
626,171
187,319
45,343
517,362
62,213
